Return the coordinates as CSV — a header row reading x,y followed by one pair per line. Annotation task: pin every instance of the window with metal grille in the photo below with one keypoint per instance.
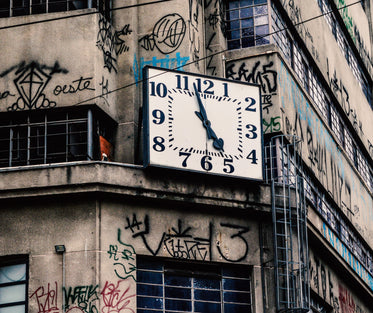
x,y
51,136
13,284
169,286
26,7
247,23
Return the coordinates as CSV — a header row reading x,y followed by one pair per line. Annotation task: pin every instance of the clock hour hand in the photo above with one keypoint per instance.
x,y
218,143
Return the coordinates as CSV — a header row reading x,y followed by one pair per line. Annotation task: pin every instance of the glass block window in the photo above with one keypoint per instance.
x,y
13,286
280,35
166,286
335,123
247,23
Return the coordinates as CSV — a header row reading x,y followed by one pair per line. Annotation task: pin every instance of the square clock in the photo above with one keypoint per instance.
x,y
202,124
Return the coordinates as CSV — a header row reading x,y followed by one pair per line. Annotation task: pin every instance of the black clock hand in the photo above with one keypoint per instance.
x,y
218,142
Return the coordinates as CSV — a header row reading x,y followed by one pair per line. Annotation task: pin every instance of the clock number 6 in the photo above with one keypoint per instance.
x,y
158,144
205,163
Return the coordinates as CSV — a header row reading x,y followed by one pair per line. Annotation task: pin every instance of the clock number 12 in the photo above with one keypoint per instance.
x,y
182,82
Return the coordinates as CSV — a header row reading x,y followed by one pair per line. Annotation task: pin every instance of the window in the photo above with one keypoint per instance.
x,y
26,7
13,285
247,23
51,136
168,286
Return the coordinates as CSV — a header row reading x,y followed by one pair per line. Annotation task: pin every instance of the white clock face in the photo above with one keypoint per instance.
x,y
202,124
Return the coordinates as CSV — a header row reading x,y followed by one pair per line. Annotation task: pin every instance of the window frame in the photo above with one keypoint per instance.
x,y
164,290
53,135
11,261
243,39
31,7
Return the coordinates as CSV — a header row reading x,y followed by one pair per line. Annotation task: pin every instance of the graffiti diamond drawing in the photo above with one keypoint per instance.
x,y
30,85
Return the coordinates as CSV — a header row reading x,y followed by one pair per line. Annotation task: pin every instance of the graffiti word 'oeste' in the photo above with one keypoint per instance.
x,y
75,86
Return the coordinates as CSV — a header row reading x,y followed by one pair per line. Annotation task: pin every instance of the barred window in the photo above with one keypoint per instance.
x,y
26,7
51,136
247,23
169,286
13,284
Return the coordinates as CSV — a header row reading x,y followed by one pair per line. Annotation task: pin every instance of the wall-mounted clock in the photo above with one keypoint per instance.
x,y
202,124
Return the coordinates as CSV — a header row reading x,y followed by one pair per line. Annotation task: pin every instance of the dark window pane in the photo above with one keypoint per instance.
x,y
249,22
233,272
150,290
207,307
4,8
149,277
21,7
233,4
38,6
260,1
248,32
248,42
233,44
234,14
207,295
177,280
234,24
247,12
148,264
236,284
149,302
57,6
244,3
242,297
235,34
206,283
236,308
181,293
178,305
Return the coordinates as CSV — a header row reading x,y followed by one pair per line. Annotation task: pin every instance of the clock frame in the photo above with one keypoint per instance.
x,y
203,124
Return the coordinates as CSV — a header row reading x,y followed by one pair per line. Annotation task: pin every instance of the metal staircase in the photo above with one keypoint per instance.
x,y
289,215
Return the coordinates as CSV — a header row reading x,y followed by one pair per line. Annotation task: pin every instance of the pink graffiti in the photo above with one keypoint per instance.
x,y
46,299
116,298
346,300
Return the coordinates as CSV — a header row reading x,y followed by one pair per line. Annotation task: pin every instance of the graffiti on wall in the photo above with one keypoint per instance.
x,y
215,21
342,94
83,297
111,43
324,157
330,289
355,33
30,80
166,62
181,241
195,36
167,35
261,73
115,297
346,254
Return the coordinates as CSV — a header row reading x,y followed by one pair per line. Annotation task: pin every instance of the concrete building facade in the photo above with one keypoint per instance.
x,y
86,227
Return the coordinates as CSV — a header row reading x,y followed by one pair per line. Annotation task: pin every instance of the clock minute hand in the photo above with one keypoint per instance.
x,y
218,142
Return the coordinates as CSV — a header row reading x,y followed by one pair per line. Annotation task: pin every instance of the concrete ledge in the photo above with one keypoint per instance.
x,y
134,181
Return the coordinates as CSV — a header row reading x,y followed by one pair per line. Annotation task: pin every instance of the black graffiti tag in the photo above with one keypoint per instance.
x,y
167,35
